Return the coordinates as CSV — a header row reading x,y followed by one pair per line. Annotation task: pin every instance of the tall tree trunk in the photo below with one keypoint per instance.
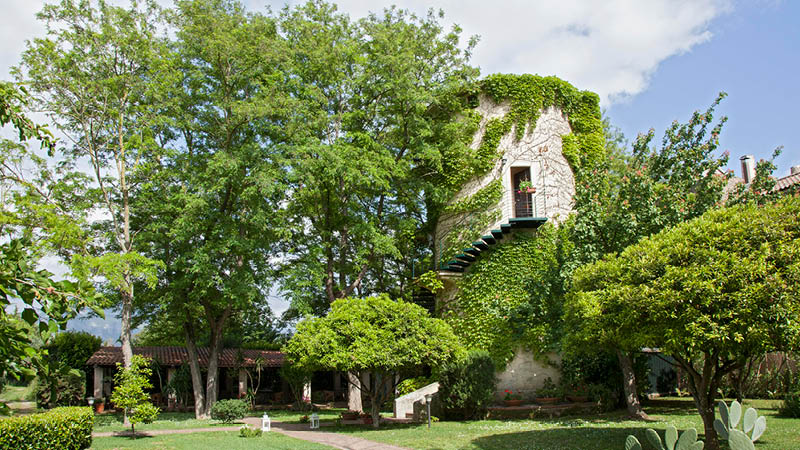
x,y
127,309
629,386
125,333
212,381
194,368
354,392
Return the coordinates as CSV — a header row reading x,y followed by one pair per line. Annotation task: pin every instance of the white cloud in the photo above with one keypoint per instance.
x,y
611,47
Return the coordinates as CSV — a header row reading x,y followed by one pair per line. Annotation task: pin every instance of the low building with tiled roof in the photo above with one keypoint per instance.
x,y
789,181
238,371
175,356
233,365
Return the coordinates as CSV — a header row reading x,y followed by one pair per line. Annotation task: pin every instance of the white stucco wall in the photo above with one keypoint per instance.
x,y
524,374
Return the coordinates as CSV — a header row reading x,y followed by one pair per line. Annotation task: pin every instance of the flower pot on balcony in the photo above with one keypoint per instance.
x,y
547,400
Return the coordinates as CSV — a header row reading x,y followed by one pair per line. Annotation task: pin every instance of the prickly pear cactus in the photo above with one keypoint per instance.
x,y
687,441
729,420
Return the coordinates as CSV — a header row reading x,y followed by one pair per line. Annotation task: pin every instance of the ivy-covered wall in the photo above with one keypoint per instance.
x,y
542,122
511,297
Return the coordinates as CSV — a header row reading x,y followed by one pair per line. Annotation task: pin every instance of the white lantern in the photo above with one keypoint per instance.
x,y
265,423
314,421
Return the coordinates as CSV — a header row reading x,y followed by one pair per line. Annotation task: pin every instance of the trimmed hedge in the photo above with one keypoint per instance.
x,y
60,428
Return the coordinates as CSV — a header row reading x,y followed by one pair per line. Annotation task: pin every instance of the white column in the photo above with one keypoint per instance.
x,y
98,382
242,382
171,397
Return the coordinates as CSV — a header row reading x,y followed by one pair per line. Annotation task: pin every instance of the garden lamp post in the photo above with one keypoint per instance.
x,y
265,423
90,400
314,421
428,398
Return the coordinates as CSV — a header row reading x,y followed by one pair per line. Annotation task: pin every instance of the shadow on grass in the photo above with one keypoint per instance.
x,y
560,438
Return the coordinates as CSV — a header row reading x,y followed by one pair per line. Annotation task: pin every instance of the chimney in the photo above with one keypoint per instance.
x,y
748,168
794,170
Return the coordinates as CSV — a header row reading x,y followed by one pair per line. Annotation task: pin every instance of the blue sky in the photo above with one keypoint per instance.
x,y
651,62
754,56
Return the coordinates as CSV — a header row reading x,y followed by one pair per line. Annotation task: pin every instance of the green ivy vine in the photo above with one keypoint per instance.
x,y
512,298
512,295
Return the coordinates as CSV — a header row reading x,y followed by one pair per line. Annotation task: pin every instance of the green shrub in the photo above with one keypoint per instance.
x,y
59,389
73,348
467,387
791,404
247,432
412,384
229,411
67,428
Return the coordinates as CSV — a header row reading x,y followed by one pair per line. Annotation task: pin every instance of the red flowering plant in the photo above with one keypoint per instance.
x,y
510,395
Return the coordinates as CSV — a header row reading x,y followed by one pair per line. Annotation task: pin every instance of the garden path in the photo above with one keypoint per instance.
x,y
295,430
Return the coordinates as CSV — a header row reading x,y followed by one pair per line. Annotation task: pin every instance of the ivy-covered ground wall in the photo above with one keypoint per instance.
x,y
511,297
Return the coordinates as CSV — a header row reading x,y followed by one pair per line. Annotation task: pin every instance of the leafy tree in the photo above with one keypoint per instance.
x,y
638,195
211,210
372,94
46,303
378,336
709,293
95,76
130,391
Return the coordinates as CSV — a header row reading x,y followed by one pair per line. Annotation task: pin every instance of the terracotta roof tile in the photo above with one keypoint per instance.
x,y
787,182
175,356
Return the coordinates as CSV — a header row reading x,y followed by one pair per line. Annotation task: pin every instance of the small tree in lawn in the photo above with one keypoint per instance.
x,y
710,293
130,394
378,336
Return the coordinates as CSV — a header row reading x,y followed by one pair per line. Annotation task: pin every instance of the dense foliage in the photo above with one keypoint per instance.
x,y
466,387
511,298
73,348
44,302
61,428
379,99
384,338
229,411
710,293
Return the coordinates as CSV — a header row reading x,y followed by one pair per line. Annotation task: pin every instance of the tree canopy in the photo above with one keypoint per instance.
x,y
378,336
709,292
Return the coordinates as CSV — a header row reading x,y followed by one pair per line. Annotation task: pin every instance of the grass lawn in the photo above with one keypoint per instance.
x,y
17,393
228,440
599,431
183,420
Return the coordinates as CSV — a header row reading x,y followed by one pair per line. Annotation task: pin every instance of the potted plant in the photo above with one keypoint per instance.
x,y
512,399
99,405
526,187
548,393
578,394
350,415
